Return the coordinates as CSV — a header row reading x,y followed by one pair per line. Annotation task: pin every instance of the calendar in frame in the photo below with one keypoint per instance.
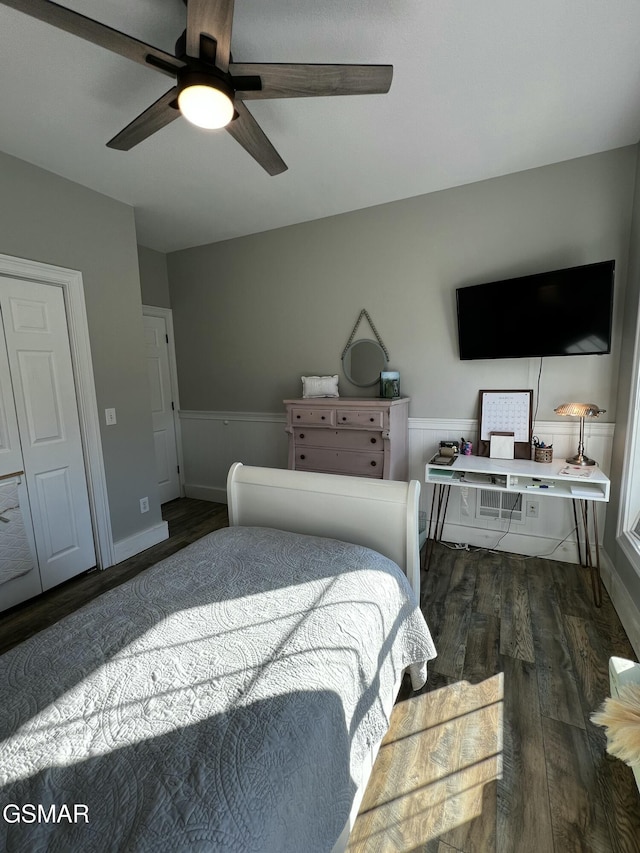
x,y
506,412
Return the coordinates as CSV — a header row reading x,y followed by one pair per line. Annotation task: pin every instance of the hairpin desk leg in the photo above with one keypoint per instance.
x,y
594,569
439,503
575,521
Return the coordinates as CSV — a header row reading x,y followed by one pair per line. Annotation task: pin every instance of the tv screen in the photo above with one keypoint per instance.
x,y
566,312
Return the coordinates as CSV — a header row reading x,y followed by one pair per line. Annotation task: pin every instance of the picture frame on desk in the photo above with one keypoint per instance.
x,y
508,411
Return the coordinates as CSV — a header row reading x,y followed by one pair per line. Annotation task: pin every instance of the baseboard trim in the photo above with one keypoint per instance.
x,y
206,493
133,545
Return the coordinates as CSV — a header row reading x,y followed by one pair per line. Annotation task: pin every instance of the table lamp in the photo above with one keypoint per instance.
x,y
582,411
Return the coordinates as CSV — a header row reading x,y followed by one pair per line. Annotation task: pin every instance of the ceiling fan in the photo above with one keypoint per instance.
x,y
211,88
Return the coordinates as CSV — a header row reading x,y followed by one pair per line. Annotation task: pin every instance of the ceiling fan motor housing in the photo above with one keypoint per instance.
x,y
214,78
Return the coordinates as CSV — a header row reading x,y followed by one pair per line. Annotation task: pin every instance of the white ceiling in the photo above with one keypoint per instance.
x,y
481,88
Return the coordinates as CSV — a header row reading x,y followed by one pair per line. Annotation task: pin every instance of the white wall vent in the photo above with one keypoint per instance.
x,y
494,504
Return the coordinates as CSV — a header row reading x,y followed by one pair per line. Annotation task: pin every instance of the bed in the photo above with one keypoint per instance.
x,y
233,696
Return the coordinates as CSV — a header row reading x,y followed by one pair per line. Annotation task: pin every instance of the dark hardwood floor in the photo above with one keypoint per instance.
x,y
188,520
497,752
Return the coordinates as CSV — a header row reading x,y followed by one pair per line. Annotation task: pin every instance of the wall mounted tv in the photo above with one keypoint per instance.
x,y
565,312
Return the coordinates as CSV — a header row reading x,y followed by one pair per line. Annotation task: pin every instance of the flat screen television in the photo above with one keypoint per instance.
x,y
565,312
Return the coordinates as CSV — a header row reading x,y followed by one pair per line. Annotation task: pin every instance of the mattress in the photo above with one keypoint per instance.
x,y
224,700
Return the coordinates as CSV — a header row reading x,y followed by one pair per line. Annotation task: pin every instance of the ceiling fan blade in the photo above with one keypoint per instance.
x,y
246,130
157,116
212,19
97,33
283,80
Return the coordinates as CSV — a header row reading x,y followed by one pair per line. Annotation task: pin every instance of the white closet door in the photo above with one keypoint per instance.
x,y
37,340
10,450
164,429
19,575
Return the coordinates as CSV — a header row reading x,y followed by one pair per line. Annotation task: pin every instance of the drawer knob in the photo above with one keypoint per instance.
x,y
373,440
298,417
302,456
344,417
301,435
373,464
372,419
321,417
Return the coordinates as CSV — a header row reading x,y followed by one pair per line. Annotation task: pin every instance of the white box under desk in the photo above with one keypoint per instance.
x,y
523,476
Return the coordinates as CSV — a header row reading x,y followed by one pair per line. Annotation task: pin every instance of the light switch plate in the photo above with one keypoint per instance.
x,y
110,416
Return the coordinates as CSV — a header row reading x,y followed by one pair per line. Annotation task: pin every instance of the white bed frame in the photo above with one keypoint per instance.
x,y
381,514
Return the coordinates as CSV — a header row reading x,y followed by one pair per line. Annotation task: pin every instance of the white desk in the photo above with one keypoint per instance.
x,y
583,486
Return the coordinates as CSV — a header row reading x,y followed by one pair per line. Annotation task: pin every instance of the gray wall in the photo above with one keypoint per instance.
x,y
626,572
252,315
46,218
154,279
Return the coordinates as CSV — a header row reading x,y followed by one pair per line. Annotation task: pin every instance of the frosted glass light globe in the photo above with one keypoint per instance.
x,y
205,106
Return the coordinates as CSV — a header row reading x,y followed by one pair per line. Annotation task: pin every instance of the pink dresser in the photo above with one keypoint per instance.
x,y
362,436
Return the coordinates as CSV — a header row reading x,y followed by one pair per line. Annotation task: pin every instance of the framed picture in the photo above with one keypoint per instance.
x,y
506,412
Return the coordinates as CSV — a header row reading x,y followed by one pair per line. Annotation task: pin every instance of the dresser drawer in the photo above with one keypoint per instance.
x,y
346,439
301,415
360,436
360,464
361,417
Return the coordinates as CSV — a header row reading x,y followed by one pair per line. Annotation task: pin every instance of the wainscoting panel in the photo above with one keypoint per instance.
x,y
213,441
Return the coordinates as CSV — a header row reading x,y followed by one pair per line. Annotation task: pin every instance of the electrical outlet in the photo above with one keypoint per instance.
x,y
533,509
144,504
110,416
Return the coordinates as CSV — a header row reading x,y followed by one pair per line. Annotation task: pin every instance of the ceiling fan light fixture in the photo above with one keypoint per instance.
x,y
205,101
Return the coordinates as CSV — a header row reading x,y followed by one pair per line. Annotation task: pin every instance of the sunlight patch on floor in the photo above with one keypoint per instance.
x,y
437,766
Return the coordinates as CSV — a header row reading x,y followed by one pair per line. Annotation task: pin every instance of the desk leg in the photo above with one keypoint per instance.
x,y
439,504
596,581
575,521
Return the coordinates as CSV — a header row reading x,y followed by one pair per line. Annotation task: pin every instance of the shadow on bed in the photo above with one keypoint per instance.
x,y
272,776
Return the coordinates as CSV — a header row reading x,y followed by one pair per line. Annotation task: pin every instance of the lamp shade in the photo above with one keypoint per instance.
x,y
582,411
579,410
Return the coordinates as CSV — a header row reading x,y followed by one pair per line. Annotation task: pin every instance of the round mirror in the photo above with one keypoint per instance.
x,y
363,361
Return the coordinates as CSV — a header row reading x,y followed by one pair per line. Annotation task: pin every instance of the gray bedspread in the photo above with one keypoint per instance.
x,y
223,700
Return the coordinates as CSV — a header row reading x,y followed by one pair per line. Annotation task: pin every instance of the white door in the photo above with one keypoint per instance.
x,y
162,407
36,334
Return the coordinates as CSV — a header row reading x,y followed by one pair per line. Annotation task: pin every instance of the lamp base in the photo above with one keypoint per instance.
x,y
581,459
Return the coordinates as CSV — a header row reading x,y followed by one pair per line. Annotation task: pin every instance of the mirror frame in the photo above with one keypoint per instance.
x,y
347,352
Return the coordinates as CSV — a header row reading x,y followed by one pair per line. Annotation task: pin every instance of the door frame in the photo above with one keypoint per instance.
x,y
167,315
72,286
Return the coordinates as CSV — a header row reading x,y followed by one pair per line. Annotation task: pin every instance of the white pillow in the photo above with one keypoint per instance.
x,y
320,386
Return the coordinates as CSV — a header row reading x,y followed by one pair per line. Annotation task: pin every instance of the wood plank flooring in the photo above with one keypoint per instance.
x,y
496,754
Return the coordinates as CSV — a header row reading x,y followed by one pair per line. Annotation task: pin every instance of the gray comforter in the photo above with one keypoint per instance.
x,y
223,700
